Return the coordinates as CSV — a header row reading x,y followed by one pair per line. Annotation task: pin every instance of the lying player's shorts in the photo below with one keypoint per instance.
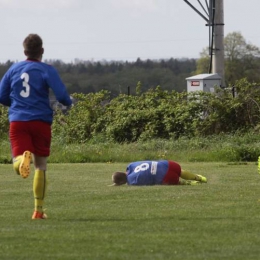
x,y
173,174
33,136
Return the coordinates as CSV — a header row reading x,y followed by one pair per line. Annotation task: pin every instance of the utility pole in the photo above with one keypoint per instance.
x,y
214,16
218,65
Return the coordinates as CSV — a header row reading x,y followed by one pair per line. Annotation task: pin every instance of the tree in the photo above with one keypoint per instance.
x,y
242,59
203,62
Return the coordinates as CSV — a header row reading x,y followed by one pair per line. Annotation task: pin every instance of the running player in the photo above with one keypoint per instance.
x,y
25,89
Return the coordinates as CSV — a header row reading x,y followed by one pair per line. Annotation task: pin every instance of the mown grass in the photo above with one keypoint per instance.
x,y
90,220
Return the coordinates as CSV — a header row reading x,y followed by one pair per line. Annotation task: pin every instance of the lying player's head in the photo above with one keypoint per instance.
x,y
32,45
119,178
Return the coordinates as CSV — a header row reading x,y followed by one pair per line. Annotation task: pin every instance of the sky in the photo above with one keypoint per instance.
x,y
118,30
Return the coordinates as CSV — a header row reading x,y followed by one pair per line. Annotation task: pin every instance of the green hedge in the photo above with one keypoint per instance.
x,y
155,114
160,114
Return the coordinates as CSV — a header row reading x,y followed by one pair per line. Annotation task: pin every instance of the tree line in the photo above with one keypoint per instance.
x,y
121,77
242,60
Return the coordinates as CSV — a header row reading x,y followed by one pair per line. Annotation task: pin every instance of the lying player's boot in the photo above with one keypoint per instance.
x,y
16,163
188,182
24,167
193,182
39,215
202,179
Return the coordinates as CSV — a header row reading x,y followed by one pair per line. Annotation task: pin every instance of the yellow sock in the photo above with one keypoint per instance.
x,y
39,189
189,176
16,163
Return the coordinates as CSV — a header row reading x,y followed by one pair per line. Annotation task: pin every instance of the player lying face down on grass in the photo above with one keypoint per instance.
x,y
162,172
25,90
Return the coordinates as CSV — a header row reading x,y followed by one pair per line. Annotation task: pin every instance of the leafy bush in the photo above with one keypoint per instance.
x,y
77,125
4,123
155,114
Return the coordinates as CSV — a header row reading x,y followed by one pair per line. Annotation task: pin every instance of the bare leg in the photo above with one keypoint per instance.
x,y
40,162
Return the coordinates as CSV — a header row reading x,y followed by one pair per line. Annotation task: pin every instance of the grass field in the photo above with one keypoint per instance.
x,y
90,220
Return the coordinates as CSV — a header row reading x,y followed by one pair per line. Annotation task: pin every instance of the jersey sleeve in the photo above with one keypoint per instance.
x,y
59,89
5,89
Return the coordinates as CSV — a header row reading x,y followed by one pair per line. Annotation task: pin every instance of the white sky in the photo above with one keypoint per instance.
x,y
118,29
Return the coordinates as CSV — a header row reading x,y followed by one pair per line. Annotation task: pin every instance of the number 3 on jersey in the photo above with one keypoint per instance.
x,y
25,93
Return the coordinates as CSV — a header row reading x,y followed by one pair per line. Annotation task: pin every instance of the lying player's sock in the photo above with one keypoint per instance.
x,y
191,176
188,175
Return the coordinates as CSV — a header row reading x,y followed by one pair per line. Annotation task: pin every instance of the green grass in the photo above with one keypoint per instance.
x,y
217,148
90,220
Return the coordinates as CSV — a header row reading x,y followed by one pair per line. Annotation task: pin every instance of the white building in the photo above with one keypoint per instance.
x,y
203,82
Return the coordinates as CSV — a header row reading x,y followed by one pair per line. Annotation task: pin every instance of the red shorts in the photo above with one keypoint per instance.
x,y
33,136
173,174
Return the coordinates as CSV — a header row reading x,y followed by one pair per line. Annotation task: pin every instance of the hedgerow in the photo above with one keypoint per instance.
x,y
4,123
155,114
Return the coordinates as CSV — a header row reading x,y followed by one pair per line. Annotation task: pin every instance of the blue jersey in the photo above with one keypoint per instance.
x,y
25,89
147,172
